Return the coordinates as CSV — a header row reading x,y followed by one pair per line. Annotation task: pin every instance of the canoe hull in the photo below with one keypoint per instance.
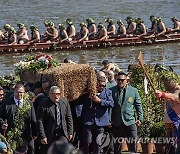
x,y
91,44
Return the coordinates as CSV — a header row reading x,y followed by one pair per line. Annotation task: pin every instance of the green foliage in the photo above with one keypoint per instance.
x,y
53,47
3,139
152,109
4,82
14,136
158,130
163,73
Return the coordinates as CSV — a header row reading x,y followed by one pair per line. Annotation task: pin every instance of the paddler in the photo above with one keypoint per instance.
x,y
131,28
140,27
12,37
44,35
35,35
83,32
52,33
121,31
102,33
63,36
70,29
91,27
153,23
176,27
22,33
6,28
2,38
111,28
160,27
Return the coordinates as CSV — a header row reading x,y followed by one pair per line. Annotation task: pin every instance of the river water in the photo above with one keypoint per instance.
x,y
36,11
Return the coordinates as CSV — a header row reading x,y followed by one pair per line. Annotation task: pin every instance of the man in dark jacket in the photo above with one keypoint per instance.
x,y
94,115
54,119
9,112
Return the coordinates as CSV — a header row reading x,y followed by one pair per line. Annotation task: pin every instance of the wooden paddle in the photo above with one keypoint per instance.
x,y
140,59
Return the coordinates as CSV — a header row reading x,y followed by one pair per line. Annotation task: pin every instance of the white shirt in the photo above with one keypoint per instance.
x,y
20,104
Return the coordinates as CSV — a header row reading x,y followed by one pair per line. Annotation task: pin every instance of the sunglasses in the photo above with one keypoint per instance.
x,y
102,85
122,80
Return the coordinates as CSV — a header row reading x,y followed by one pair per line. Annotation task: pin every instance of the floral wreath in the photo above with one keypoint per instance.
x,y
34,63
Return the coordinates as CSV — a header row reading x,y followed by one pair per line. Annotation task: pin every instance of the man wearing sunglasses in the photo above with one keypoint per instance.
x,y
124,122
93,113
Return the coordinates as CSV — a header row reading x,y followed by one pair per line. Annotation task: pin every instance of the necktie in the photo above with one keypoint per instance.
x,y
120,98
58,118
19,104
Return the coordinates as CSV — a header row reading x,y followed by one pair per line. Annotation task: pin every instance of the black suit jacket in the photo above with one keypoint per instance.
x,y
7,111
46,118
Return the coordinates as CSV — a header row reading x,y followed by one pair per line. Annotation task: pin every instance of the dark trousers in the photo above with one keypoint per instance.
x,y
90,134
57,135
128,132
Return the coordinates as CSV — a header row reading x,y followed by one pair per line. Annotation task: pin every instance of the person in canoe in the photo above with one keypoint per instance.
x,y
153,24
2,38
160,27
6,33
22,34
52,33
131,28
35,35
111,28
176,27
83,32
44,36
102,33
91,27
63,36
70,29
121,31
140,27
12,37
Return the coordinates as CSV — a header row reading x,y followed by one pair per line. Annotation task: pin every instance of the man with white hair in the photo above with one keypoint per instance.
x,y
54,119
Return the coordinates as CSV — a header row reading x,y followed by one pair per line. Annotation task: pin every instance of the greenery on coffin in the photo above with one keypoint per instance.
x,y
14,136
35,63
152,109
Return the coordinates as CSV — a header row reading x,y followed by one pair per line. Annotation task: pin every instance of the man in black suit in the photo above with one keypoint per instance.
x,y
54,119
8,113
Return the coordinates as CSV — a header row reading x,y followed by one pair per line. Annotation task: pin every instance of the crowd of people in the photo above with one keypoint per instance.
x,y
51,120
88,31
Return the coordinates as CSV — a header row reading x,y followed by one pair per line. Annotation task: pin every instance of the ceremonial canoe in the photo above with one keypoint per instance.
x,y
91,44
